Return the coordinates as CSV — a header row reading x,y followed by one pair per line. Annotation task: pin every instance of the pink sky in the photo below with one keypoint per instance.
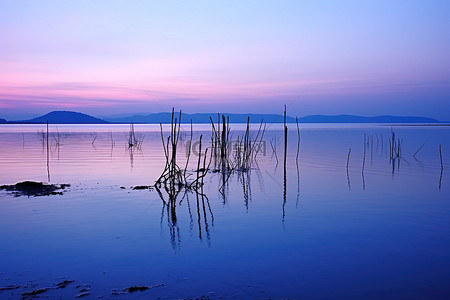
x,y
319,58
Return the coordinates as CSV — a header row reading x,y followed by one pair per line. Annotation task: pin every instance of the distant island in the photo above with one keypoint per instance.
x,y
70,117
64,117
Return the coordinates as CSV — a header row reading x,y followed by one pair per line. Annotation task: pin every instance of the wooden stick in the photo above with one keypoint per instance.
x,y
418,150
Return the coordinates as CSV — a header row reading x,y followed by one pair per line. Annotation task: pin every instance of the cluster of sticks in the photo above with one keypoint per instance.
x,y
395,147
245,147
134,140
220,143
174,178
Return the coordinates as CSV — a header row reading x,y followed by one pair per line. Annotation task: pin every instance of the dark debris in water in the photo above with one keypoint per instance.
x,y
34,293
35,189
9,287
85,291
142,187
81,295
135,288
203,297
63,284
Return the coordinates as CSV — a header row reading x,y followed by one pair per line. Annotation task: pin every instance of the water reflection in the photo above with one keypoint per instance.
x,y
246,187
172,194
204,214
298,187
348,161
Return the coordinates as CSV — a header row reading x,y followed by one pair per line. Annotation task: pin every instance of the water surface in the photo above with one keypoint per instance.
x,y
326,232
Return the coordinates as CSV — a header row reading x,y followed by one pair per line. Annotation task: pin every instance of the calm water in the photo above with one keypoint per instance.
x,y
326,234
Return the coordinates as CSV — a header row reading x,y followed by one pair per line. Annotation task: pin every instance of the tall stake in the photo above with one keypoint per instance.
x,y
285,139
285,155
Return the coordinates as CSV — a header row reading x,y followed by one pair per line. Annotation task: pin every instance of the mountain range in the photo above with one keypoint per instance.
x,y
166,117
70,117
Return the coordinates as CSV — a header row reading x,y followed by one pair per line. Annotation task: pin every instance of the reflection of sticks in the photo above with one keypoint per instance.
x,y
112,140
371,149
208,237
42,134
298,140
190,213
298,188
199,218
274,149
376,134
364,157
48,164
442,166
284,196
364,162
348,180
245,191
348,160
364,182
203,209
418,150
57,138
348,156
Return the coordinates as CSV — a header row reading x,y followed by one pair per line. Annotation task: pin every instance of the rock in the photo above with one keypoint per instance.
x,y
33,188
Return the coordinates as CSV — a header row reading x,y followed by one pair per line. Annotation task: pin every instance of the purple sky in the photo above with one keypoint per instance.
x,y
318,57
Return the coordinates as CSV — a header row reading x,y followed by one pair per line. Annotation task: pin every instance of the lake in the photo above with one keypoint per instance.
x,y
332,226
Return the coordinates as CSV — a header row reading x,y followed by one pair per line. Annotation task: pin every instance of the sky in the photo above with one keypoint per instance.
x,y
317,57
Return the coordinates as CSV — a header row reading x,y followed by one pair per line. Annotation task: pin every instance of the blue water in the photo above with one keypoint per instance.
x,y
381,233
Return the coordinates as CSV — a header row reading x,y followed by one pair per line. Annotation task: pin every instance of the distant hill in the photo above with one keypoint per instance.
x,y
359,119
66,117
268,118
164,118
70,117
